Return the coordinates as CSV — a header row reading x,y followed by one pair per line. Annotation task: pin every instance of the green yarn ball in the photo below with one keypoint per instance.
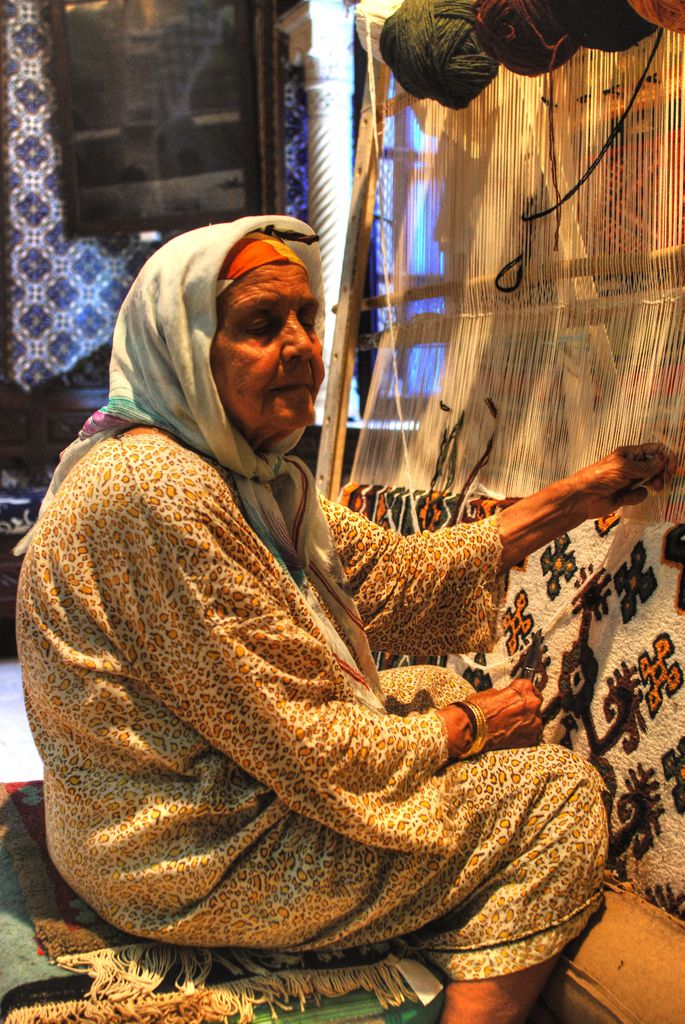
x,y
432,49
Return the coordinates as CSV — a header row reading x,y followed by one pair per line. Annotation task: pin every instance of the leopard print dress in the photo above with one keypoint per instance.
x,y
210,779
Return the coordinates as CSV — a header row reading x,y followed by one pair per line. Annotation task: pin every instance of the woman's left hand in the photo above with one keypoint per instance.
x,y
622,478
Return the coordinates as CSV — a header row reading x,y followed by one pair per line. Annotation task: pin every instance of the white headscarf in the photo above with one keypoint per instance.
x,y
160,375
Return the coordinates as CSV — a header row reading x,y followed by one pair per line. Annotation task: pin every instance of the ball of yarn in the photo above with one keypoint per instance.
x,y
523,35
432,49
668,14
607,25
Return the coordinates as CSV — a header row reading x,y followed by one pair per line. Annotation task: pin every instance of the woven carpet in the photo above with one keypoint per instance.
x,y
610,601
44,924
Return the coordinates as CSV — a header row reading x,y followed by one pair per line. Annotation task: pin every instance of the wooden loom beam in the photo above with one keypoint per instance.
x,y
672,258
348,308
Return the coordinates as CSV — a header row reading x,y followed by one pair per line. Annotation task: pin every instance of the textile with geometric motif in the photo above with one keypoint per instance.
x,y
295,143
64,293
609,598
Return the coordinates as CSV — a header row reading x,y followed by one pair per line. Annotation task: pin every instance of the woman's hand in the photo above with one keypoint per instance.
x,y
512,714
623,478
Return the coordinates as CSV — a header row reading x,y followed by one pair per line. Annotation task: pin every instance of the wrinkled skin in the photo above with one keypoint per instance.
x,y
266,356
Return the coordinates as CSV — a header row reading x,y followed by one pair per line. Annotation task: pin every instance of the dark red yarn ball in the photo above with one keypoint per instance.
x,y
609,25
524,35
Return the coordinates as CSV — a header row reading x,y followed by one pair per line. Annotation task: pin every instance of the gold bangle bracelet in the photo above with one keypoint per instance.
x,y
479,725
482,730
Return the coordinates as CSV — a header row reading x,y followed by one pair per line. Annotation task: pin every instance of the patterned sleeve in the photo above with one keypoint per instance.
x,y
222,640
426,594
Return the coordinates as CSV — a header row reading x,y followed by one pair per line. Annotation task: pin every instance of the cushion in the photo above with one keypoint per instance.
x,y
624,968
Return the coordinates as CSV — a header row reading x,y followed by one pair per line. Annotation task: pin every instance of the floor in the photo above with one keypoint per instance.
x,y
19,760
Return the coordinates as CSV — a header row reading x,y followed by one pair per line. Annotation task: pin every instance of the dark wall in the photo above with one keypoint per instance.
x,y
308,449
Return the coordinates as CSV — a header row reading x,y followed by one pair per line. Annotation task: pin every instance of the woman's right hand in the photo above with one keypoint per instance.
x,y
512,713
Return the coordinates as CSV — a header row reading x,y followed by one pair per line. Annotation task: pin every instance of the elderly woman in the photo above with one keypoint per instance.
x,y
223,764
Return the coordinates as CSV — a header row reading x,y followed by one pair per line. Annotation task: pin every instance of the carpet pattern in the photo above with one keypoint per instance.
x,y
609,598
62,922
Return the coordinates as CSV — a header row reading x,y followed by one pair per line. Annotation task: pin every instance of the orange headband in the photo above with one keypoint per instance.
x,y
256,250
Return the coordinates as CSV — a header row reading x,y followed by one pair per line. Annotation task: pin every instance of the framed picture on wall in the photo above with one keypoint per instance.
x,y
165,111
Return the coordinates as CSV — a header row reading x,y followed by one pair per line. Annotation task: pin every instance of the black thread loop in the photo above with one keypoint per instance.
x,y
516,262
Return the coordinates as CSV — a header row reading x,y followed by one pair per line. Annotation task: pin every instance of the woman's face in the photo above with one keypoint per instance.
x,y
265,356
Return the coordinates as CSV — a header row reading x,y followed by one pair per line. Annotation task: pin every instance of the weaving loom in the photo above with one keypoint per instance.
x,y
513,351
587,352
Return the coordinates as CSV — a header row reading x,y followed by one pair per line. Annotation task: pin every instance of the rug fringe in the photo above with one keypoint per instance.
x,y
125,981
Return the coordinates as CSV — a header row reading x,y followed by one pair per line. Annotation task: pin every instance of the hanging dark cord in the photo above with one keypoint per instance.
x,y
528,218
611,138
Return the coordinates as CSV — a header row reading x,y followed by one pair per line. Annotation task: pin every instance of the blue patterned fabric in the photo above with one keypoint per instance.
x,y
296,135
64,294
